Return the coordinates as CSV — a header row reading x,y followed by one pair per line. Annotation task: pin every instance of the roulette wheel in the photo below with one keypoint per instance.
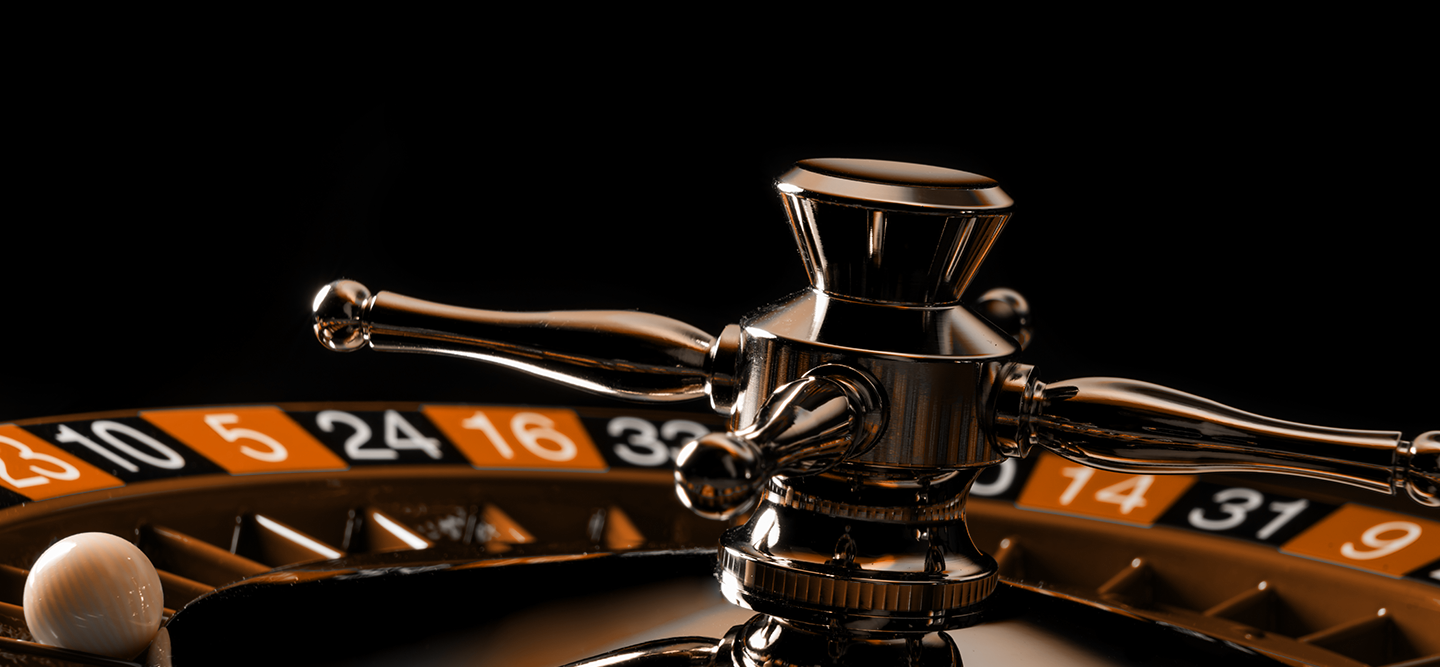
x,y
361,506
292,511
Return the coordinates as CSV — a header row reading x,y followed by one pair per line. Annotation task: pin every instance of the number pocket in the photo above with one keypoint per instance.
x,y
1059,485
504,437
1244,513
1370,539
38,470
398,435
246,440
648,446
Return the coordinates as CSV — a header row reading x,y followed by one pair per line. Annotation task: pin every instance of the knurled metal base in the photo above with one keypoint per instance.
x,y
829,592
858,603
788,496
866,563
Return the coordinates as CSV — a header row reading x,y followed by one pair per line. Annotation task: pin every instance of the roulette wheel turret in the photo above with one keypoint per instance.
x,y
863,408
877,434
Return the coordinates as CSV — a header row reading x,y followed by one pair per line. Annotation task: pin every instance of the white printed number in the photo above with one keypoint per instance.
x,y
1237,503
1382,546
274,452
399,435
1002,481
159,456
646,445
1128,494
66,473
530,429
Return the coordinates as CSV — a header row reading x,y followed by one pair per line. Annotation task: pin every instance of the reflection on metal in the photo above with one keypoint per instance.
x,y
196,559
21,647
386,533
1008,310
1420,465
621,353
766,640
620,531
499,531
677,652
281,545
613,528
862,408
808,426
1139,427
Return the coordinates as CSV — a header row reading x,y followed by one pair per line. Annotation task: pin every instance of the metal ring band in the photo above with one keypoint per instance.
x,y
950,510
816,590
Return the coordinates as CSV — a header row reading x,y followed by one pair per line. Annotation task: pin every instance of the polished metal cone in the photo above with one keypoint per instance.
x,y
892,232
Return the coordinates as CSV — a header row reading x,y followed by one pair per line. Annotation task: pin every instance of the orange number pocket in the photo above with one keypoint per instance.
x,y
1059,485
507,437
247,440
37,469
1370,539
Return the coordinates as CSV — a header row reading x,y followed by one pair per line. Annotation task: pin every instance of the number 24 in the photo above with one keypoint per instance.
x,y
399,434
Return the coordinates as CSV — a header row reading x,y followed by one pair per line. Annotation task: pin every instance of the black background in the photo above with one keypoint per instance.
x,y
1256,231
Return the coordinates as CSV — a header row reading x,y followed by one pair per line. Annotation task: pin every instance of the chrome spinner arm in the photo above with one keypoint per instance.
x,y
1107,423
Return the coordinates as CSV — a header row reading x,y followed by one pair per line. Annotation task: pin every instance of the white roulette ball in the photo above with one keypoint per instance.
x,y
94,592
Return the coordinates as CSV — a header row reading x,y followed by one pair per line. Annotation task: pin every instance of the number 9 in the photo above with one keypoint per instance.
x,y
1381,546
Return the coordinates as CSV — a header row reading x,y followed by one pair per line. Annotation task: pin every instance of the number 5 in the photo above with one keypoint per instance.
x,y
218,422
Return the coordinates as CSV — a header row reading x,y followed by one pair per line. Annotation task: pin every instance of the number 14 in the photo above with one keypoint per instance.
x,y
1128,494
